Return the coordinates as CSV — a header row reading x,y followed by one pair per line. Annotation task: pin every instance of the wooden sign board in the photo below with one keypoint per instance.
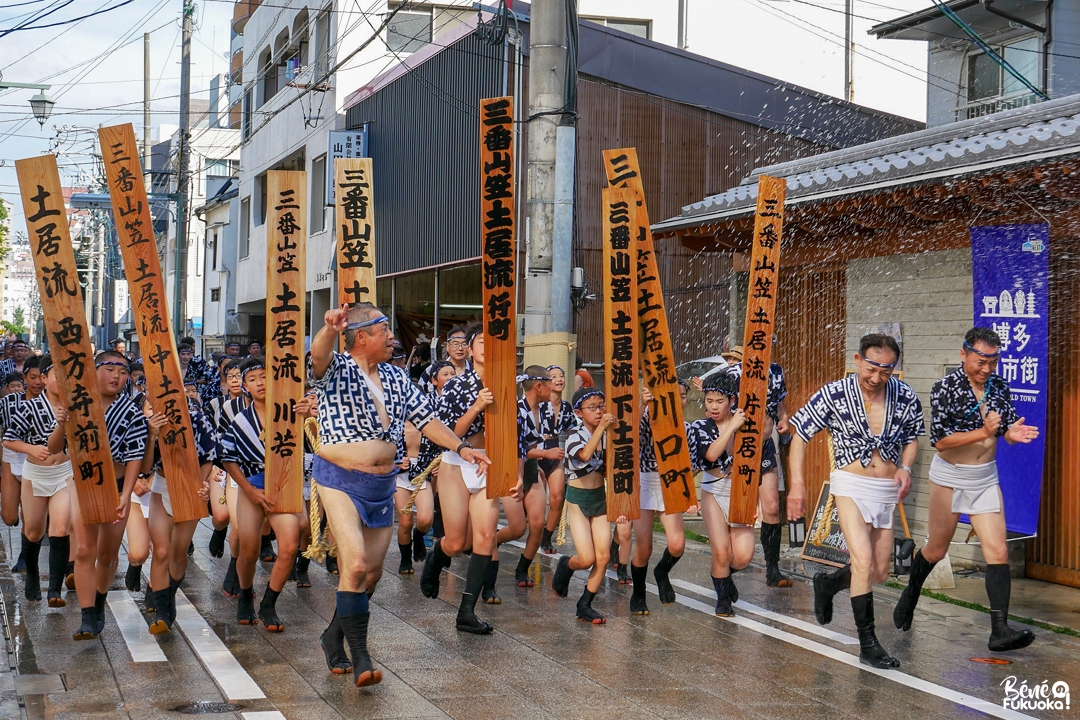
x,y
657,356
142,269
69,338
623,453
757,344
286,296
824,539
355,215
497,222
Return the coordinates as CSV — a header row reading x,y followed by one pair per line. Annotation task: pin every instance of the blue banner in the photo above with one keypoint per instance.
x,y
1010,274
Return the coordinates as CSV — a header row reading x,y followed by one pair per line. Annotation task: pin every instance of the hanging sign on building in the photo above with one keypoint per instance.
x,y
1010,267
286,247
68,338
164,382
499,270
343,144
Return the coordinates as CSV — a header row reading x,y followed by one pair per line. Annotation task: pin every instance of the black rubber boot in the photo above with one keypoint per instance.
x,y
99,610
266,550
490,595
230,586
162,613
826,585
419,549
770,545
302,564
88,629
622,574
216,547
904,611
429,576
998,589
268,611
663,584
245,607
637,597
20,563
545,542
585,611
133,578
58,555
521,573
332,641
33,574
560,579
723,596
355,629
405,568
870,651
474,582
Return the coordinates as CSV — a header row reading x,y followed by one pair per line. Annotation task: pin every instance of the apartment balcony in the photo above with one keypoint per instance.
x,y
243,10
236,68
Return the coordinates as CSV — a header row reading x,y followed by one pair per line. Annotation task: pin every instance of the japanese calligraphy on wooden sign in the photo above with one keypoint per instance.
x,y
621,352
355,215
135,230
69,338
286,246
757,343
500,278
657,357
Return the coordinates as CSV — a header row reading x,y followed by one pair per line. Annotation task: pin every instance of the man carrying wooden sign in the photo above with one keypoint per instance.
x,y
875,421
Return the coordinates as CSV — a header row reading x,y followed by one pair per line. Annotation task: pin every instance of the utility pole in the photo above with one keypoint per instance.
x,y
849,50
180,315
147,176
552,91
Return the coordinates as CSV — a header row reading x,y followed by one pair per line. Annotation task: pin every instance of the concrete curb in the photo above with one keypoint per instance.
x,y
12,703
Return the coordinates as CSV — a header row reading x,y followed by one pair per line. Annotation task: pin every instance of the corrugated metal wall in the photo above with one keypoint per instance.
x,y
685,154
426,144
1055,554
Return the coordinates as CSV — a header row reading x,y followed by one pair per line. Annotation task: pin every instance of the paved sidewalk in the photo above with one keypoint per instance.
x,y
10,701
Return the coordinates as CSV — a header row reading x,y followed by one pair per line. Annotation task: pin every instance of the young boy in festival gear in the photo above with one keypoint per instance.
x,y
244,457
36,431
98,546
363,404
172,539
462,489
534,418
875,421
970,408
559,420
13,383
587,498
220,411
652,502
731,545
12,469
412,528
457,354
441,373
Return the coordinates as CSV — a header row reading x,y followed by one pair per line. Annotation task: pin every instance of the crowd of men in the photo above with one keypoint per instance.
x,y
390,445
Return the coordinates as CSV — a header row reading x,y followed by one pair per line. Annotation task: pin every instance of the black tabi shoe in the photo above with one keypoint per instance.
x,y
1004,638
58,554
560,580
723,596
622,574
638,605
56,600
266,550
904,612
405,566
32,590
331,565
521,573
148,600
430,575
776,579
489,593
467,622
191,549
870,651
133,578
302,579
545,543
88,629
69,575
826,585
585,611
230,586
663,583
355,629
770,545
162,616
20,563
332,641
216,547
245,607
419,549
268,611
613,553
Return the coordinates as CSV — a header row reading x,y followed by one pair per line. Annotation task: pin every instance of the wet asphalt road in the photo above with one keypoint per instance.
x,y
679,662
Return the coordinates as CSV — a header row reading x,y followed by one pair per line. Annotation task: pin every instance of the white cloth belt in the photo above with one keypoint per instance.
x,y
876,498
975,487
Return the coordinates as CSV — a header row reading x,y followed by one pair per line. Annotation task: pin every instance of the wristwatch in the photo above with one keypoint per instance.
x,y
145,476
464,444
906,469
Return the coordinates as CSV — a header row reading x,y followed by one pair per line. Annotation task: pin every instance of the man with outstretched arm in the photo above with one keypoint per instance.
x,y
364,402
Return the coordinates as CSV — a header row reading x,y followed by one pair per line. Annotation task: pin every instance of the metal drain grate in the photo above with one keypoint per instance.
x,y
207,708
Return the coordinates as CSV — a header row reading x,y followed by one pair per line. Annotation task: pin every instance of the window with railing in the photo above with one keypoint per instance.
x,y
991,88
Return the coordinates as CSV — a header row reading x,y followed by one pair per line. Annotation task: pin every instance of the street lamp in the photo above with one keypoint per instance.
x,y
41,103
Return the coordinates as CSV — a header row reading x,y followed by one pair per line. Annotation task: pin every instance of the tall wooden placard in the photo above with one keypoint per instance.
x,y
135,230
286,274
657,356
69,338
623,454
757,344
500,299
355,215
